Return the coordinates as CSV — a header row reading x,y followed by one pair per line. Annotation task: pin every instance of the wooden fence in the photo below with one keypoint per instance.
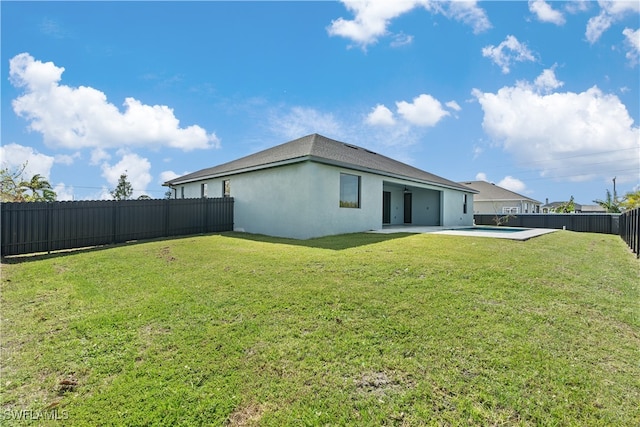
x,y
50,226
630,229
590,223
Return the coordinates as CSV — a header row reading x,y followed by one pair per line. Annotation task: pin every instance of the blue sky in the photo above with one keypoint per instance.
x,y
538,97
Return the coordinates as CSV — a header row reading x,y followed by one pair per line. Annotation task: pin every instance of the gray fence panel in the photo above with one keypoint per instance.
x,y
590,223
629,229
43,227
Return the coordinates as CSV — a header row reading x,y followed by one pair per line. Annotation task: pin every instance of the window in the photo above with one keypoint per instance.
x,y
203,190
349,191
464,203
226,188
182,192
510,211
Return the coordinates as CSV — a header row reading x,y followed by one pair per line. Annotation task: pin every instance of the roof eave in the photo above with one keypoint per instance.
x,y
318,160
236,171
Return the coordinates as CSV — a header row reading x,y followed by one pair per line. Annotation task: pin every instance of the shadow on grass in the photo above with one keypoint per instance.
x,y
336,243
30,257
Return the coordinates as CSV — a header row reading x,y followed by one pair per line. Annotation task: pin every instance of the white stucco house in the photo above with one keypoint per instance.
x,y
495,200
315,186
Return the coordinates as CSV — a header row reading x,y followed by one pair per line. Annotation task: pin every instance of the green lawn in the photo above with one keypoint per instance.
x,y
360,329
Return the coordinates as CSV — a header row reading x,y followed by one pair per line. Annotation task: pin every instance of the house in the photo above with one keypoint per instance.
x,y
553,207
493,199
315,186
577,208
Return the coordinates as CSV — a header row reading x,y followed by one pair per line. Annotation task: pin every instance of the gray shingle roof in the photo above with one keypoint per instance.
x,y
323,150
491,192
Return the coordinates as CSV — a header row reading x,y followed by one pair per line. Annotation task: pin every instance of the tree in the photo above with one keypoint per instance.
x,y
123,190
610,204
41,190
13,187
10,190
631,200
566,207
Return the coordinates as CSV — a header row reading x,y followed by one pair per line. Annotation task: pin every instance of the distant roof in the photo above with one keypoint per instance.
x,y
488,191
554,205
323,150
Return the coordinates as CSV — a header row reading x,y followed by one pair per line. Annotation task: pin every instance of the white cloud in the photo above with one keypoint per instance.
x,y
513,184
633,41
564,135
381,115
481,176
372,18
83,118
401,40
14,156
545,12
508,52
425,110
576,6
453,105
169,175
299,121
597,26
610,12
63,193
468,12
135,167
98,156
66,159
547,81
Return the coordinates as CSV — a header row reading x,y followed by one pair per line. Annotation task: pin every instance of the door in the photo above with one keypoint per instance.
x,y
386,207
407,208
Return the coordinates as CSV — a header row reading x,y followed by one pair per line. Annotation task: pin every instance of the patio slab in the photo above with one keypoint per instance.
x,y
511,233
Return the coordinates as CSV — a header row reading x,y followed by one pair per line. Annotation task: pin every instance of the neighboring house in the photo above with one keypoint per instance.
x,y
315,186
495,200
577,208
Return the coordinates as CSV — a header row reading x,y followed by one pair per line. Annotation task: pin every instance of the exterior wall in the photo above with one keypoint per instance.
x,y
453,208
302,201
495,207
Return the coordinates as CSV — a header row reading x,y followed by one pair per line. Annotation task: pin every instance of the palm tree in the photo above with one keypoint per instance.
x,y
36,184
610,204
631,200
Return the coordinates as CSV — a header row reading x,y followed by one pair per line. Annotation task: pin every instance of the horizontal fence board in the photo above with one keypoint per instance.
x,y
50,226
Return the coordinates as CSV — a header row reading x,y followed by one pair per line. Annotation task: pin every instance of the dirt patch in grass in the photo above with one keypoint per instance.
x,y
248,415
165,254
380,384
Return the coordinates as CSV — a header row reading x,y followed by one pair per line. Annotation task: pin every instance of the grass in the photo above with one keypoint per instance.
x,y
359,329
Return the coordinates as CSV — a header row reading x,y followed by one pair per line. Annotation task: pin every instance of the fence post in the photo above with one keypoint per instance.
x,y
48,226
166,217
113,221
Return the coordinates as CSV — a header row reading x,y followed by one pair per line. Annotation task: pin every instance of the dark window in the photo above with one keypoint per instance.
x,y
203,190
464,203
182,192
226,188
349,191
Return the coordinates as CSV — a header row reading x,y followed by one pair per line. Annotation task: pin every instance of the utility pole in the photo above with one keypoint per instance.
x,y
615,195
